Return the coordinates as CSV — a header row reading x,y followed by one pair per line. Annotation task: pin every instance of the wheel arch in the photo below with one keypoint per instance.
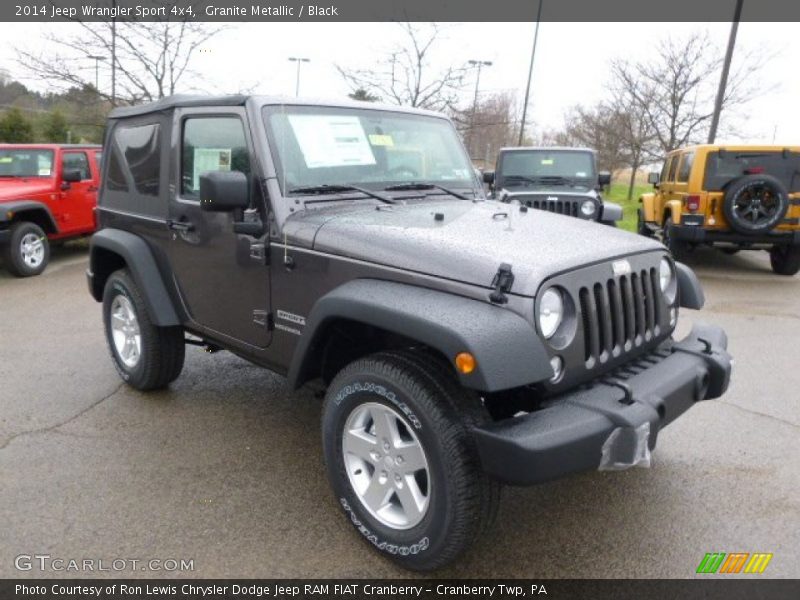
x,y
29,210
113,249
507,350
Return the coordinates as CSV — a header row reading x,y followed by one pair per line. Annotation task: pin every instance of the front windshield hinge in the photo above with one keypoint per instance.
x,y
502,282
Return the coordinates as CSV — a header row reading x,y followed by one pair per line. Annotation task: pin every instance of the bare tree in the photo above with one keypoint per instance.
x,y
406,76
674,92
491,124
152,59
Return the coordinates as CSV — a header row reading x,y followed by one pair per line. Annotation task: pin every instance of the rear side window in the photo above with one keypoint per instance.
x,y
76,161
141,150
211,144
115,178
673,166
686,167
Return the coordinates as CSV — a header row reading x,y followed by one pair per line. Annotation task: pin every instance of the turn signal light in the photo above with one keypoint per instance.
x,y
693,202
465,363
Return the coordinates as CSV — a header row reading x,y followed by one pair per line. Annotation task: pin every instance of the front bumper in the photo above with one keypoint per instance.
x,y
698,235
613,423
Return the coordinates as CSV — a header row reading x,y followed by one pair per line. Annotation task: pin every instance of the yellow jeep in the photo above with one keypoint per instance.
x,y
734,197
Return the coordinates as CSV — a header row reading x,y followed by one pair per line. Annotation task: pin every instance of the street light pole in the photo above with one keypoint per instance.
x,y
530,75
479,64
97,60
298,60
723,78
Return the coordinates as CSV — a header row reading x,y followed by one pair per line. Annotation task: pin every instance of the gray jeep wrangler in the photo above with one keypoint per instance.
x,y
462,343
559,180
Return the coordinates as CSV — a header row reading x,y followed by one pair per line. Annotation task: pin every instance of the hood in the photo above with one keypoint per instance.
x,y
468,243
12,188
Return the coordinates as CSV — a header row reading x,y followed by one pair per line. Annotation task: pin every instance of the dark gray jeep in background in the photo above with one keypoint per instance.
x,y
462,343
560,180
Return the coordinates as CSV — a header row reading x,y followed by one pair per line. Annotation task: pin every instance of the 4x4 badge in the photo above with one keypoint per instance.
x,y
621,267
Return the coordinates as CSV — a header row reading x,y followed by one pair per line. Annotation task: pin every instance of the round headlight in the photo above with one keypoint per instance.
x,y
666,277
587,208
551,312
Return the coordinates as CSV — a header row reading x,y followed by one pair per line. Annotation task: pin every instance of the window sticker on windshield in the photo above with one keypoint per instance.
x,y
580,174
547,161
6,159
44,172
209,159
331,140
381,140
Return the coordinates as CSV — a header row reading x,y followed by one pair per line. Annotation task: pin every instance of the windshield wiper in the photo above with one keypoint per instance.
x,y
419,185
335,189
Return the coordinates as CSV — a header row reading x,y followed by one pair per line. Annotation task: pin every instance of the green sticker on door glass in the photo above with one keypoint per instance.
x,y
547,161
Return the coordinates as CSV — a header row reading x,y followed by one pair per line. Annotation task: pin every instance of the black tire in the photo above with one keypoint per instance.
x,y
677,248
729,250
426,397
785,260
755,204
162,349
641,228
13,255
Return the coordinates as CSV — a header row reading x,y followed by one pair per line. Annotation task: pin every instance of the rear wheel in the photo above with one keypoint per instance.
x,y
401,460
28,250
785,259
677,248
146,356
641,227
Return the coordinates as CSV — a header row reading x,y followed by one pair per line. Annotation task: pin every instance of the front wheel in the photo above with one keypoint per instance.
x,y
401,460
146,356
28,250
785,260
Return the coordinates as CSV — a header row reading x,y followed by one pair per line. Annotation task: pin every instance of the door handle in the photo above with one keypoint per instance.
x,y
180,225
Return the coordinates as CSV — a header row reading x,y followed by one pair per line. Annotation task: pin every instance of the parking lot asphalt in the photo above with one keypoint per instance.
x,y
225,466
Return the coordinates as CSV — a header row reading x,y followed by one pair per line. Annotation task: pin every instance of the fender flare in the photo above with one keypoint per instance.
x,y
18,206
648,207
690,292
611,212
142,265
507,349
673,207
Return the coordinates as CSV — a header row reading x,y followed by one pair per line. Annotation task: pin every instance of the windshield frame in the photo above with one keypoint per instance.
x,y
38,150
469,183
590,181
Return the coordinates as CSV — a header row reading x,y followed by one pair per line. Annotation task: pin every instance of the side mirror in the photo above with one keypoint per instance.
x,y
223,191
72,176
604,178
488,177
653,178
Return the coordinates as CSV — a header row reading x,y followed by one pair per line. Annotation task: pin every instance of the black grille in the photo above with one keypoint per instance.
x,y
619,315
560,206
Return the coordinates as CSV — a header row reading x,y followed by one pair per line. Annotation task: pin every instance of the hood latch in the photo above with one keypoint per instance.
x,y
502,282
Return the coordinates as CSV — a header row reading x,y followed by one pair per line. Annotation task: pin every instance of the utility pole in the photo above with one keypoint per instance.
x,y
479,64
530,75
726,66
298,60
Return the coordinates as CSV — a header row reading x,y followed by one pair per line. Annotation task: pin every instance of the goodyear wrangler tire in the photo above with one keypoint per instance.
x,y
755,204
401,460
146,356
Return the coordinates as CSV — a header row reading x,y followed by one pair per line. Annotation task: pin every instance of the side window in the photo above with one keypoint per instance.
x,y
76,161
686,167
665,169
211,144
141,148
115,179
673,166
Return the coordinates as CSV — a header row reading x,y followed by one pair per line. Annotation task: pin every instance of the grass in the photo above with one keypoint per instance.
x,y
618,192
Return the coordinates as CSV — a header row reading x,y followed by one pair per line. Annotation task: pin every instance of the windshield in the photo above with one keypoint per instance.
x,y
375,149
26,163
534,164
722,168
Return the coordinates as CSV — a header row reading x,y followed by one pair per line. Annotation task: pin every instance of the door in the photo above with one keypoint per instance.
x,y
222,276
78,198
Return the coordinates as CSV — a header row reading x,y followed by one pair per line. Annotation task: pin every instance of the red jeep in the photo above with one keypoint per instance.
x,y
48,192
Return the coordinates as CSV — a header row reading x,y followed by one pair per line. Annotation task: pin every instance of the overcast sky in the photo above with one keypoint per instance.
x,y
571,61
